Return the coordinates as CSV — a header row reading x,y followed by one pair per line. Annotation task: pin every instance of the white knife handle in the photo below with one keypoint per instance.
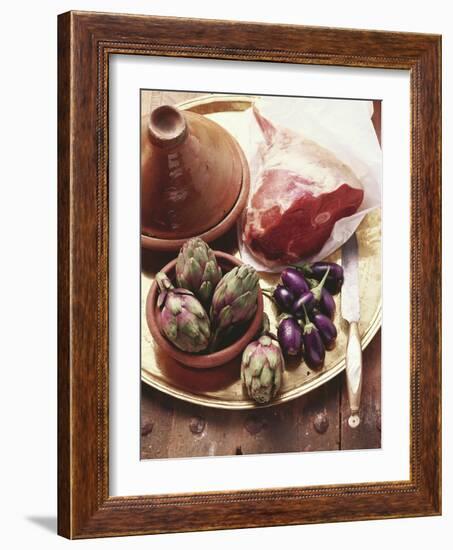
x,y
354,373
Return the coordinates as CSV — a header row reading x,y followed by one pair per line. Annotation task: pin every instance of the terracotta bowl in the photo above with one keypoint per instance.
x,y
201,361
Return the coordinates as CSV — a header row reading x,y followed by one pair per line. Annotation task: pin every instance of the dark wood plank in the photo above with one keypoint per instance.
x,y
309,423
157,418
173,428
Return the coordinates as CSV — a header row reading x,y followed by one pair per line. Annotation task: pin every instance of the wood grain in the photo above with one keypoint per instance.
x,y
86,40
181,429
64,304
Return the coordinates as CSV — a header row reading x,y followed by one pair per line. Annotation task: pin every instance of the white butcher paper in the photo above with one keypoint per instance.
x,y
343,126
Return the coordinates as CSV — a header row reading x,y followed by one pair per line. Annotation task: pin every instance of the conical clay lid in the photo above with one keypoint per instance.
x,y
191,174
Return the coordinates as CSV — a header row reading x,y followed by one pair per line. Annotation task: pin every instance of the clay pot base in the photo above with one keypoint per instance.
x,y
168,245
208,360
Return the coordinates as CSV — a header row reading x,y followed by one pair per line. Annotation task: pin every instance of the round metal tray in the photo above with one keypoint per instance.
x,y
221,387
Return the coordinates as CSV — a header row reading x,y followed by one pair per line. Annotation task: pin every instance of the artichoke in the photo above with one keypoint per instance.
x,y
235,297
182,318
197,269
262,368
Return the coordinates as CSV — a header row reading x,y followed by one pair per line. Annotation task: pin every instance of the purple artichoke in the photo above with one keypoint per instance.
x,y
197,269
183,320
262,368
235,297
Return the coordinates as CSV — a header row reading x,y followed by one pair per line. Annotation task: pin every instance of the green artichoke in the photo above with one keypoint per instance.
x,y
197,269
262,368
235,297
182,318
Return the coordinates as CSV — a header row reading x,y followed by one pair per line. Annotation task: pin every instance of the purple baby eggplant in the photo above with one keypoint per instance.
x,y
317,270
284,298
326,329
294,281
327,304
305,301
309,300
314,350
290,336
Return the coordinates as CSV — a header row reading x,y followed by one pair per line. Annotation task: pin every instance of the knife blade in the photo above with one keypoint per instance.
x,y
350,303
350,311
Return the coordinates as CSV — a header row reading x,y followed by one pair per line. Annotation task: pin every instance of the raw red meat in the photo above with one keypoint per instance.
x,y
301,190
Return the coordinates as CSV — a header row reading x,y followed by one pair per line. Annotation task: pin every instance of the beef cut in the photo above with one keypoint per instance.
x,y
300,190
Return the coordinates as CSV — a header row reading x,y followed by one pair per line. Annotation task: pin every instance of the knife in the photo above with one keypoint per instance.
x,y
350,310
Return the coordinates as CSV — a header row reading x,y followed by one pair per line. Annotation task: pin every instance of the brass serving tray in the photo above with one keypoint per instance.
x,y
221,387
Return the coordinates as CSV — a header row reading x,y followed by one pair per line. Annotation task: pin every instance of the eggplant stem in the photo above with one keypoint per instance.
x,y
267,289
318,288
323,280
305,268
307,320
265,292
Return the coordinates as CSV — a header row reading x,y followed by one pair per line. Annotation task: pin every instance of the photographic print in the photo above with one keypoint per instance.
x,y
259,229
260,274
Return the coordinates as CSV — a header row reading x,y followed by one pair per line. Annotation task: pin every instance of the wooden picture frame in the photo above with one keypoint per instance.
x,y
85,42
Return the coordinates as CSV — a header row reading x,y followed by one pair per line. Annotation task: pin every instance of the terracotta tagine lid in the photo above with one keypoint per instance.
x,y
192,178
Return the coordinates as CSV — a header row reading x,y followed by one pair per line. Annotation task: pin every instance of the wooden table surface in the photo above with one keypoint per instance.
x,y
317,421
